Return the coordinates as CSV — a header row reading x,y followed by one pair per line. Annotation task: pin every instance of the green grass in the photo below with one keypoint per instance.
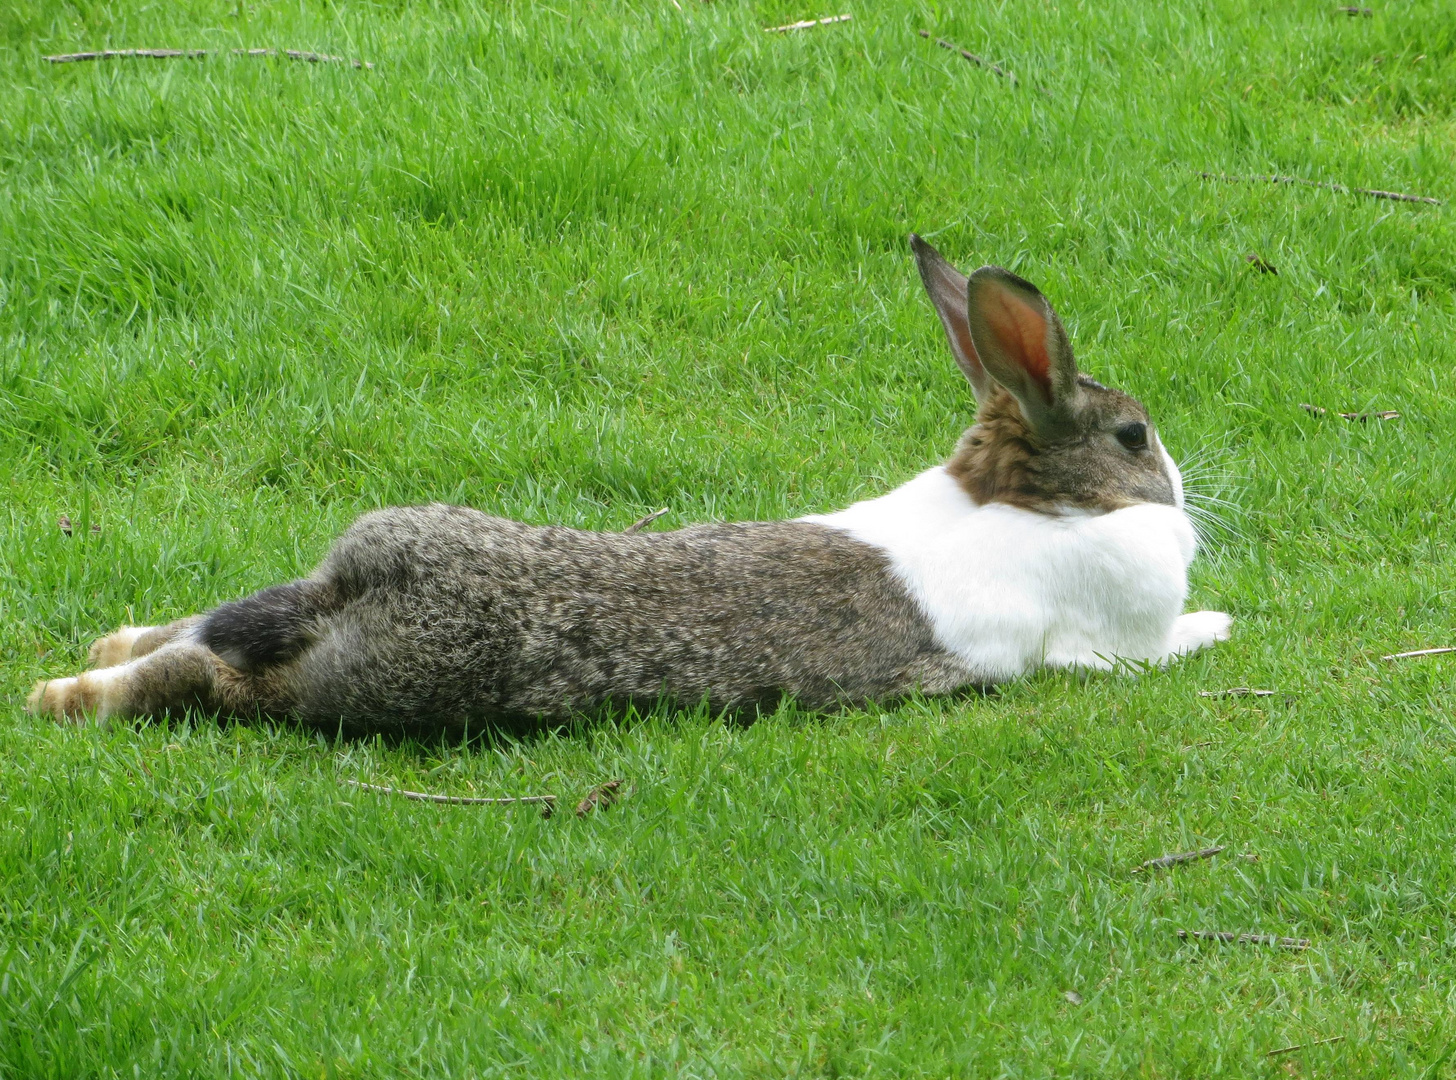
x,y
570,263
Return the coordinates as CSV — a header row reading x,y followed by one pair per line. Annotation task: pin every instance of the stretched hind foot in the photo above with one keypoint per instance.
x,y
177,676
116,647
130,642
94,694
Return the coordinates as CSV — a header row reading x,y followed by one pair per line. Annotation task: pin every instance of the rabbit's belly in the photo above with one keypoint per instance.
x,y
457,616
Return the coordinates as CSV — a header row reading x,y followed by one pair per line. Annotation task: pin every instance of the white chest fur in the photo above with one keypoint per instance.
x,y
1007,590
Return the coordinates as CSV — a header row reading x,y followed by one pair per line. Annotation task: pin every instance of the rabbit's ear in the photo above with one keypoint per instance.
x,y
947,289
1022,345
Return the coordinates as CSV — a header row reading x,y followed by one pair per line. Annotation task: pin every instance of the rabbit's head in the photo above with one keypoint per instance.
x,y
1046,437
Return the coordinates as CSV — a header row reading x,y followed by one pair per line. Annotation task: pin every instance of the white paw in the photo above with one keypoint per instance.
x,y
1198,630
60,699
92,696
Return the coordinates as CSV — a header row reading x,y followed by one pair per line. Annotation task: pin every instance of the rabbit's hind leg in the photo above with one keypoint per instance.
x,y
129,642
171,678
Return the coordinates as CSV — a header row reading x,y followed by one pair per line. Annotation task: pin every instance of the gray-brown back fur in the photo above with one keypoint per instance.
x,y
441,615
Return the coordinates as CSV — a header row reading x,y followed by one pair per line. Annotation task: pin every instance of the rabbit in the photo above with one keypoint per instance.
x,y
1055,536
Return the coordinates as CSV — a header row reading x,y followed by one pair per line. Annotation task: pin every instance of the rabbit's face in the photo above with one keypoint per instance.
x,y
1116,459
1106,456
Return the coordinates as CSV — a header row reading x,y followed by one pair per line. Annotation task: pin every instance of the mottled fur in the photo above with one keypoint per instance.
x,y
131,642
438,616
474,617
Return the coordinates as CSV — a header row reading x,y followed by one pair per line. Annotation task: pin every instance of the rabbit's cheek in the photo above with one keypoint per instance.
x,y
1174,475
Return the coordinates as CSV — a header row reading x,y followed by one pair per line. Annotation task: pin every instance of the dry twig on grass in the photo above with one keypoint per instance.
x,y
1245,939
546,802
599,797
198,54
1237,691
1162,862
1316,410
979,61
126,54
1301,1046
642,522
806,24
1420,652
1374,193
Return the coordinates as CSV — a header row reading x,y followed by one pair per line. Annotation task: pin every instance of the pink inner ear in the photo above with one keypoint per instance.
x,y
1022,332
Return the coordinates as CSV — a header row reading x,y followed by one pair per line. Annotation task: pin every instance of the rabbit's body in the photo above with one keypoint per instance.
x,y
1055,537
443,615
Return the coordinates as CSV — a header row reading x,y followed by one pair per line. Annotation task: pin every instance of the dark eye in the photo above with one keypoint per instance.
x,y
1133,436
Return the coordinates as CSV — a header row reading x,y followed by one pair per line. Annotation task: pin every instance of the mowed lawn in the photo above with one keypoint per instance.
x,y
575,262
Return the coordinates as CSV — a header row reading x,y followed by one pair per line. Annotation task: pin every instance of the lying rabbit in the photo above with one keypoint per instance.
x,y
1054,537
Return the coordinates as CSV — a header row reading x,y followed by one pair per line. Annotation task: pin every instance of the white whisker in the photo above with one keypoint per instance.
x,y
1211,482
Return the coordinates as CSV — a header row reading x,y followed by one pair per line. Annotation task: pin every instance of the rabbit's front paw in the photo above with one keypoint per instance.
x,y
1198,630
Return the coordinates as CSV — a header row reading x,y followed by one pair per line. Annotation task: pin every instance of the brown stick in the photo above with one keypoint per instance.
x,y
1374,193
806,24
1246,939
602,795
643,522
548,802
122,54
1237,691
1301,1046
1316,410
198,54
1165,861
1420,652
979,61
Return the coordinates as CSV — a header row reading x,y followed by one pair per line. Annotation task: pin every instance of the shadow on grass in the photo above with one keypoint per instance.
x,y
434,737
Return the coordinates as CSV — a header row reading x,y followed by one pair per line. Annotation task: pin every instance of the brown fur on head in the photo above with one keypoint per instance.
x,y
1046,437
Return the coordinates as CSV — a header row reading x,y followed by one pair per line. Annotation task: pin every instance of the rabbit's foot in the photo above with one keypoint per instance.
x,y
116,647
1197,630
91,694
134,642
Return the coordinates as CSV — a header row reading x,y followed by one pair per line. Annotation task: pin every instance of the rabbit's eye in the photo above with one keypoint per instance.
x,y
1133,436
